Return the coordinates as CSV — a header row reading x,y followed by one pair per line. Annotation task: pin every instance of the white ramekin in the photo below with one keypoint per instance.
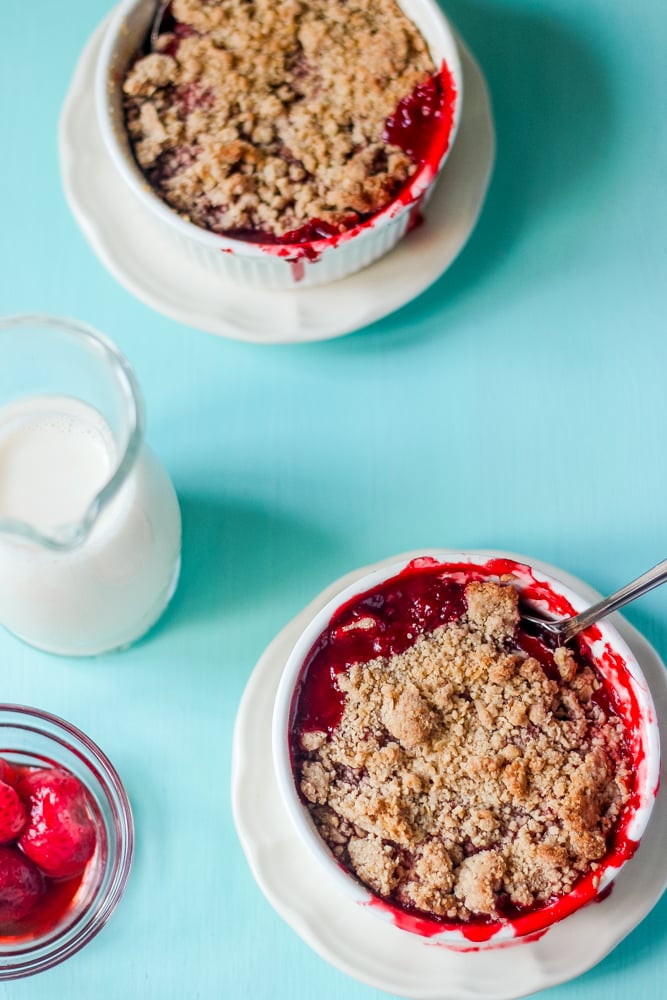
x,y
621,672
270,266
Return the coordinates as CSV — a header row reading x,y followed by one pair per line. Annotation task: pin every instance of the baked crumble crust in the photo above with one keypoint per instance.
x,y
462,780
267,114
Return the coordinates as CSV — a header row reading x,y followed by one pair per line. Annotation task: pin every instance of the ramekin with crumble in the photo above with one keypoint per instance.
x,y
460,767
262,118
279,129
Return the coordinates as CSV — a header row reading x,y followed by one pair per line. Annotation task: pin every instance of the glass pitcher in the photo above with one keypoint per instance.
x,y
90,527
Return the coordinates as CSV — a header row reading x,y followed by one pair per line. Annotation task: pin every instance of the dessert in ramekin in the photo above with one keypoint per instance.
x,y
282,145
450,768
67,840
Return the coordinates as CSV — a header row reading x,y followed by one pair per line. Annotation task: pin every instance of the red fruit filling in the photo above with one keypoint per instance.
x,y
49,837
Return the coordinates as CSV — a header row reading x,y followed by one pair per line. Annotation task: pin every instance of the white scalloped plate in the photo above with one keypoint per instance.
x,y
125,238
377,953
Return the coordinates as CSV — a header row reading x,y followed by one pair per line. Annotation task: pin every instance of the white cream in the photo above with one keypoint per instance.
x,y
56,453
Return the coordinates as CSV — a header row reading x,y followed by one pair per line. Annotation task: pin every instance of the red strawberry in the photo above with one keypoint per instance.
x,y
21,885
13,815
60,836
7,772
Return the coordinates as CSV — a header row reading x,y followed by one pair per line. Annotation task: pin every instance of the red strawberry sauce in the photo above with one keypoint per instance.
x,y
55,896
48,913
425,595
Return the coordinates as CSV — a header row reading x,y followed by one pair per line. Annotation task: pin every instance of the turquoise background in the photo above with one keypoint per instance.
x,y
520,403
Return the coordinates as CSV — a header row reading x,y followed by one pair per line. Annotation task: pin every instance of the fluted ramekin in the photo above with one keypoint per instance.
x,y
622,676
273,265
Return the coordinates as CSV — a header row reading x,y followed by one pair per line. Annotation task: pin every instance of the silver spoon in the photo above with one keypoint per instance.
x,y
567,628
160,10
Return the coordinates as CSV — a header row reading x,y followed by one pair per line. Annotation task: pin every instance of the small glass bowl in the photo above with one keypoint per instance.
x,y
33,738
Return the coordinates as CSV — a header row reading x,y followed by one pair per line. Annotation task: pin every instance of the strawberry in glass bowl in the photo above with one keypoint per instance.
x,y
66,840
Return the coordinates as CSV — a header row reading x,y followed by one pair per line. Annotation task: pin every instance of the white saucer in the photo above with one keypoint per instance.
x,y
377,953
125,238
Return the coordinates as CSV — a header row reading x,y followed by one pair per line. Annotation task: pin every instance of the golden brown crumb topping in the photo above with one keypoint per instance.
x,y
267,114
463,780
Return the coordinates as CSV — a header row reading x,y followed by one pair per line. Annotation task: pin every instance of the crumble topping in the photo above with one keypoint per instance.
x,y
464,779
268,114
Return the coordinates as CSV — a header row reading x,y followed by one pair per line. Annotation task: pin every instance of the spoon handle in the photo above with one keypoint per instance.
x,y
647,581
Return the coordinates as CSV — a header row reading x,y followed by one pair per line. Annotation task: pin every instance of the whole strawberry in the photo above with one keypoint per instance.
x,y
21,885
60,835
13,814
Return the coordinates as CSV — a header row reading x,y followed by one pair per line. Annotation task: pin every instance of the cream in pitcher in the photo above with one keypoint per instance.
x,y
90,527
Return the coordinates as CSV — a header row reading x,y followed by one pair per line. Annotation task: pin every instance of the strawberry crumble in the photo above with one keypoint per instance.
x,y
456,765
268,118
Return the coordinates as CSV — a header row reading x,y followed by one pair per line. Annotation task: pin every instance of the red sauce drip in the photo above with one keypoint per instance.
x,y
298,269
605,894
314,229
301,238
416,218
510,943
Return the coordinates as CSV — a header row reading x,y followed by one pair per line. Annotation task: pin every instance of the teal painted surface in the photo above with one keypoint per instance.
x,y
520,403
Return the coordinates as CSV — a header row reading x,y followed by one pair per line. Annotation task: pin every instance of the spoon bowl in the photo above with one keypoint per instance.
x,y
567,628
